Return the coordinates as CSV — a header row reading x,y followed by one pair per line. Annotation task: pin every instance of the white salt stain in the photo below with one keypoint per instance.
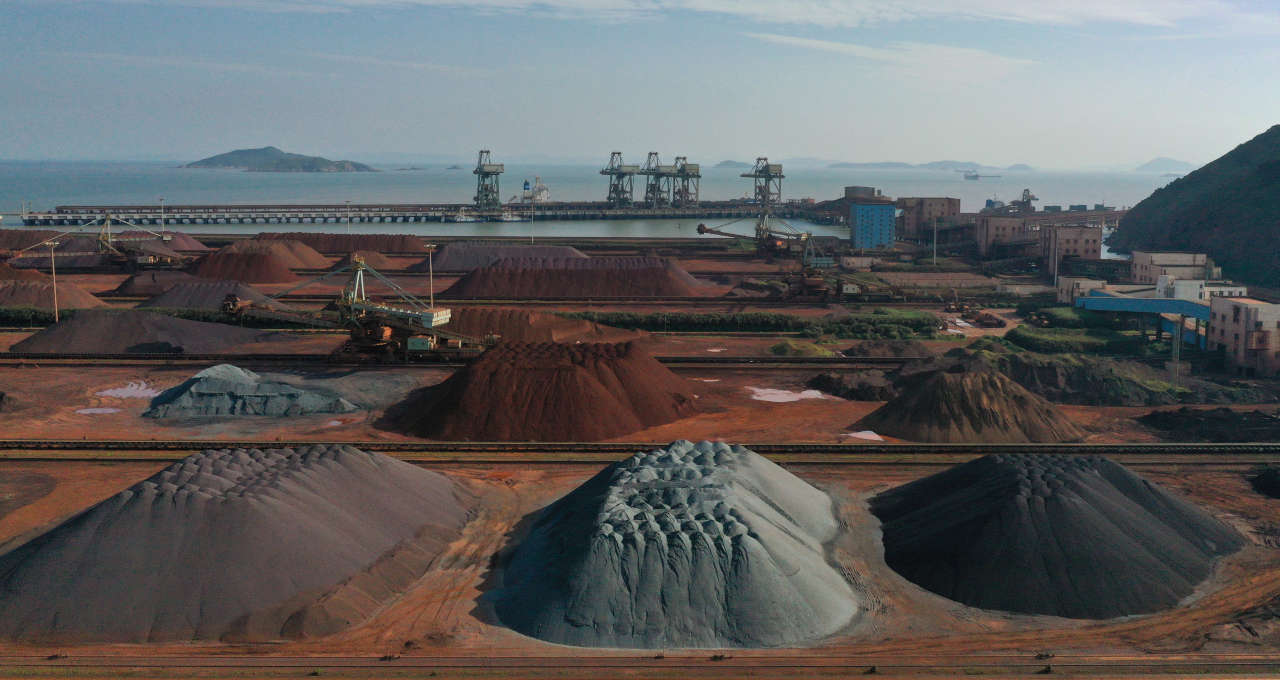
x,y
333,423
770,394
865,434
134,390
96,411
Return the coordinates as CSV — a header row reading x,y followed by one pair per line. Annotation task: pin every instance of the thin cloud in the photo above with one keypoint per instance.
x,y
430,67
181,62
936,63
1166,14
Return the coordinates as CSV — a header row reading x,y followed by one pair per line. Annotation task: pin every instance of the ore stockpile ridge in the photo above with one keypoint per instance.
x,y
960,405
520,325
1078,537
252,267
465,256
208,295
38,293
153,282
549,392
103,331
576,277
226,390
345,243
695,545
244,544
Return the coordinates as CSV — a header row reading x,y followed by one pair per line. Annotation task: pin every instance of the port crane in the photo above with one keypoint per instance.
x,y
408,329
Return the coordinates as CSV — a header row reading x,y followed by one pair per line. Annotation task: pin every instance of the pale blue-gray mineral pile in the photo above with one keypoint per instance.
x,y
247,544
695,545
226,390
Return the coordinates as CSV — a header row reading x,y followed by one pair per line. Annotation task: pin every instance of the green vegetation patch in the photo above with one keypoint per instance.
x,y
879,323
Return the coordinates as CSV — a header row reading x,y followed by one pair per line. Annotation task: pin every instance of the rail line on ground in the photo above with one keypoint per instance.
x,y
862,453
90,360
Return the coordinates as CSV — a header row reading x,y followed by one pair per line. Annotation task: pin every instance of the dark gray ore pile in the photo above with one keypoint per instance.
x,y
243,544
1079,537
701,545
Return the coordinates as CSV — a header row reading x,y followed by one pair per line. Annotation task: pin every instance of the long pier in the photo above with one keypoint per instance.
x,y
74,215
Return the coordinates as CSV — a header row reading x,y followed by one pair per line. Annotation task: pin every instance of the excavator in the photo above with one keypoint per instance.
x,y
409,330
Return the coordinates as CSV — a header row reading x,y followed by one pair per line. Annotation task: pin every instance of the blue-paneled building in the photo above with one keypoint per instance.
x,y
871,224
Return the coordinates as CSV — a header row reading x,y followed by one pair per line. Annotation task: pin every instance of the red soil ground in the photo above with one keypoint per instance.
x,y
577,277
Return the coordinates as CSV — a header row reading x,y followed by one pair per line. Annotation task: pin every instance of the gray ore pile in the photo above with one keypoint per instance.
x,y
226,390
242,544
1079,537
701,545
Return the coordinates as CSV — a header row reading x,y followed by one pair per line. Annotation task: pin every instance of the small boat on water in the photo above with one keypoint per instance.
x,y
461,216
511,216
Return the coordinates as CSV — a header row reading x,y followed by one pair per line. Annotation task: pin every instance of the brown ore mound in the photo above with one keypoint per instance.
x,y
104,331
8,273
549,392
208,295
345,243
589,277
238,544
465,256
372,258
39,294
246,267
17,239
177,240
152,282
959,406
295,254
518,325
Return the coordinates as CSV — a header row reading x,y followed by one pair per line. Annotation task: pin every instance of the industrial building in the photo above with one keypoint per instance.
x,y
1059,241
920,215
872,218
1148,267
1246,332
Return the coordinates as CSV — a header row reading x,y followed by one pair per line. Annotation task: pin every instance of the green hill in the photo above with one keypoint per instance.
x,y
1229,209
271,159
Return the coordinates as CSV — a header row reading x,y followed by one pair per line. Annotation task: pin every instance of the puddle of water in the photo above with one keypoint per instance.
x,y
134,390
779,396
718,349
96,411
707,379
865,434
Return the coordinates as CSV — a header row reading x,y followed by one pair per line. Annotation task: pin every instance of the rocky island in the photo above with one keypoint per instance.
x,y
271,159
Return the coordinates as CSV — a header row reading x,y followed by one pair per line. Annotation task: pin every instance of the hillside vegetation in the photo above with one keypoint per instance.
x,y
271,159
1227,209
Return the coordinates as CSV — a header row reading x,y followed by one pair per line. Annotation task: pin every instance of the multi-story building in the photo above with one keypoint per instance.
x,y
1197,289
1247,332
872,219
920,215
1059,241
997,234
1148,267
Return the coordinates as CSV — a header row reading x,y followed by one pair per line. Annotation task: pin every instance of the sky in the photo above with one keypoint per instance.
x,y
1080,84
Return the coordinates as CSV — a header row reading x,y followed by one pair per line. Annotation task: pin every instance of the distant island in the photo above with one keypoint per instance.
x,y
271,159
967,166
733,164
1165,165
1229,209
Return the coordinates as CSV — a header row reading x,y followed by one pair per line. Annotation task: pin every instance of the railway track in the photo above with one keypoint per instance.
x,y
90,360
863,453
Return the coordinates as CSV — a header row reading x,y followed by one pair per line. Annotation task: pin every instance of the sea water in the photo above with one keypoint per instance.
x,y
43,185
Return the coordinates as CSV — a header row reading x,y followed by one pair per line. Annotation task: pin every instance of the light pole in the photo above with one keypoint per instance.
x,y
53,269
431,276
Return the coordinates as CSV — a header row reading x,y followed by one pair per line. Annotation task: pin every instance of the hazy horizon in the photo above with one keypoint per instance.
x,y
1095,85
